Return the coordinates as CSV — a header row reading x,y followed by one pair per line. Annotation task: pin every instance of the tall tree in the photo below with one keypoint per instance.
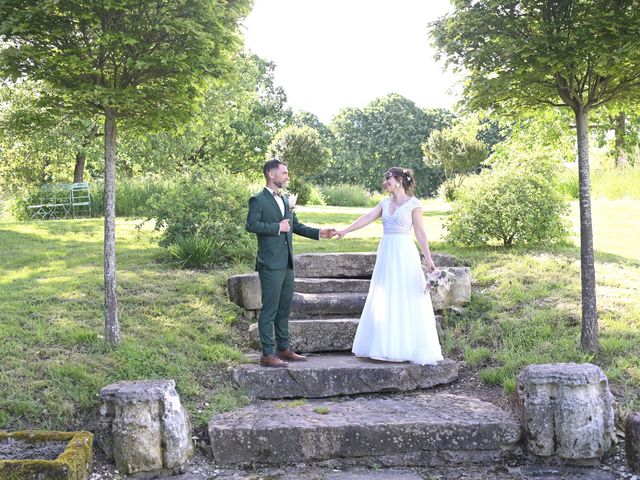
x,y
388,132
577,54
140,60
301,148
456,150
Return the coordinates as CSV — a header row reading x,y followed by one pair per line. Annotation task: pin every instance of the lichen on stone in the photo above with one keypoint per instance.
x,y
72,464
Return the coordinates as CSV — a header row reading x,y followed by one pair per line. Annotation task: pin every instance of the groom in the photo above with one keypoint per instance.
x,y
273,221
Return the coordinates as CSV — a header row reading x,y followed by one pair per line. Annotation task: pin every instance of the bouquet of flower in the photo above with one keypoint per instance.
x,y
436,280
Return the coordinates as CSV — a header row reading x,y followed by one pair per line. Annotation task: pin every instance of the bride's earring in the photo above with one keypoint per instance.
x,y
397,185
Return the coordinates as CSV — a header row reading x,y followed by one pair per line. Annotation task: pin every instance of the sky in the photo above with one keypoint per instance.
x,y
332,54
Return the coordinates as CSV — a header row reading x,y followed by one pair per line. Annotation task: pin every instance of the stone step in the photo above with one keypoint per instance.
x,y
340,374
320,334
316,335
350,265
331,285
244,290
426,430
327,305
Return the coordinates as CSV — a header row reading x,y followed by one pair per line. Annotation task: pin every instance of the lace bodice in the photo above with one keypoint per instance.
x,y
400,222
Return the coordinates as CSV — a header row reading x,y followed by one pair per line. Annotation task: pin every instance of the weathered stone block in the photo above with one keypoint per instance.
x,y
32,455
566,411
244,290
632,441
143,426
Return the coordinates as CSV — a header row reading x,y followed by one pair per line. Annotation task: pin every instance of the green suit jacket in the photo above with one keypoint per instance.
x,y
275,250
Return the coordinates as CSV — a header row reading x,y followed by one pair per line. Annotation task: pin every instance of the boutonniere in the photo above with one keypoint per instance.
x,y
292,198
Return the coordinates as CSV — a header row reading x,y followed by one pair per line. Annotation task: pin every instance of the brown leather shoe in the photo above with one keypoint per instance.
x,y
290,355
272,361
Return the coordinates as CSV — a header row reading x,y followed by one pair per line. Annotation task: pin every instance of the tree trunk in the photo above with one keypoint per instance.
x,y
78,171
620,129
589,335
111,322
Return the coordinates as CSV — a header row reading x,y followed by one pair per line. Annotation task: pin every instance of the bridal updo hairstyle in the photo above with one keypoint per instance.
x,y
405,177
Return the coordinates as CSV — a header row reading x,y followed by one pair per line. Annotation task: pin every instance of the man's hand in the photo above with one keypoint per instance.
x,y
284,226
327,232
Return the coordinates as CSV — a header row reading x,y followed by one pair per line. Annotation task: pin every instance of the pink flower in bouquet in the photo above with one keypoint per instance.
x,y
438,279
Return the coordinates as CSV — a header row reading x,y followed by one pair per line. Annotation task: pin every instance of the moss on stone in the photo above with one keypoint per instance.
x,y
72,464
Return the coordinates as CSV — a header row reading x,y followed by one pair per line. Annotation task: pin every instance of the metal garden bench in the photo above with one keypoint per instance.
x,y
61,200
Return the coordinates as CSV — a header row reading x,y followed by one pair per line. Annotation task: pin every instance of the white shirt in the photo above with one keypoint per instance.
x,y
278,200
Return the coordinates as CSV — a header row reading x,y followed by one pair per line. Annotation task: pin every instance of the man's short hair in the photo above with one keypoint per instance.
x,y
272,164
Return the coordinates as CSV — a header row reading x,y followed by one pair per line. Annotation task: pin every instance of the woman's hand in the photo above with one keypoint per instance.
x,y
340,234
430,265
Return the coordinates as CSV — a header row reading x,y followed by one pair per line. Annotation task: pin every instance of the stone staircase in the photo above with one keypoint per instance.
x,y
352,411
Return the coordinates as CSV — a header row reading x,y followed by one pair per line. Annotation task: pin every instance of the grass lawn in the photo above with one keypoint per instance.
x,y
178,323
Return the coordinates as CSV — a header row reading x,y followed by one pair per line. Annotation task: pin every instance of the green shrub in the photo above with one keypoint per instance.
x,y
349,196
205,205
315,196
308,194
512,204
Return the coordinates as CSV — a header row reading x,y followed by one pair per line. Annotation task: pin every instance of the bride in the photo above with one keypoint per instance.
x,y
398,323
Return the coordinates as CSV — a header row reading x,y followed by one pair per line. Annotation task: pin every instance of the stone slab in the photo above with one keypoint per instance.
x,y
317,335
332,375
424,430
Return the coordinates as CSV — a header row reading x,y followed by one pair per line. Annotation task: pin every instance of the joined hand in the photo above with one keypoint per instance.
x,y
327,232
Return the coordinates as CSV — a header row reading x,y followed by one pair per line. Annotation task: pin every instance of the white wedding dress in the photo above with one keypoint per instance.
x,y
398,323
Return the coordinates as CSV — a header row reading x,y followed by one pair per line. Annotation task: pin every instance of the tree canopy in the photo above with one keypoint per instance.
x,y
144,61
388,132
577,54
